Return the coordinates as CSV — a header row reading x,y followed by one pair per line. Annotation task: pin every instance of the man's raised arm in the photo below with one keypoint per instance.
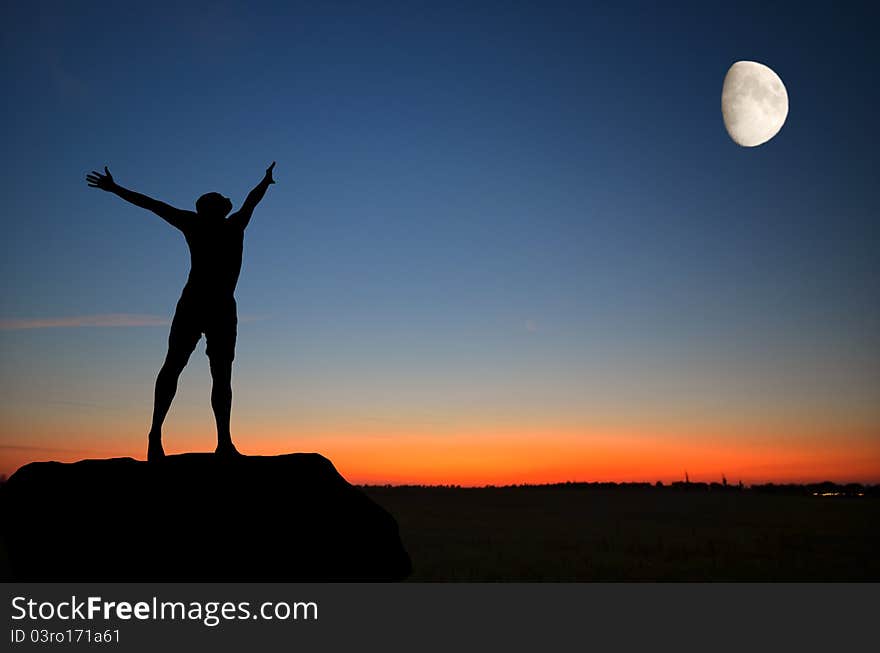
x,y
171,215
243,215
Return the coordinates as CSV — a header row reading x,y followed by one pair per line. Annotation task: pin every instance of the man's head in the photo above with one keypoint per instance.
x,y
213,205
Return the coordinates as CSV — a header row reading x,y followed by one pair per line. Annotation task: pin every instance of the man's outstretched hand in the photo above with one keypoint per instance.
x,y
105,182
268,178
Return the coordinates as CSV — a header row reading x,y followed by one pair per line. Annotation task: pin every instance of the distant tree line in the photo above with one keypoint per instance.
x,y
824,489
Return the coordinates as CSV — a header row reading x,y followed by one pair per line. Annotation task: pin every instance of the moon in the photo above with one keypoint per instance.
x,y
754,103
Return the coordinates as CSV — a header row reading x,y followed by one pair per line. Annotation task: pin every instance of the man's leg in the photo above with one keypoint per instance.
x,y
221,402
181,342
221,352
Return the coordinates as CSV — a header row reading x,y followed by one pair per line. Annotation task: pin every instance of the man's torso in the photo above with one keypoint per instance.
x,y
215,259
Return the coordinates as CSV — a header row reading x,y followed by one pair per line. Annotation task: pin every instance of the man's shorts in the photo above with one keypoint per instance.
x,y
216,318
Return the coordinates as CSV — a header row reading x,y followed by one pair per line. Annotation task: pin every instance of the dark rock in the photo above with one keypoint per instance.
x,y
196,517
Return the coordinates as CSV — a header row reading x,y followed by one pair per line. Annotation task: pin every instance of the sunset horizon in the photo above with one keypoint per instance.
x,y
524,457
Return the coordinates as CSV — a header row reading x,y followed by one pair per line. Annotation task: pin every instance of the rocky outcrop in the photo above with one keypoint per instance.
x,y
196,517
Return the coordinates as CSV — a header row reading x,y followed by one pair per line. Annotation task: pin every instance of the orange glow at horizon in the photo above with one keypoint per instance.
x,y
488,456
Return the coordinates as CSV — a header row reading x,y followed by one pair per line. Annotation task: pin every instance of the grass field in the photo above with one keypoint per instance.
x,y
563,533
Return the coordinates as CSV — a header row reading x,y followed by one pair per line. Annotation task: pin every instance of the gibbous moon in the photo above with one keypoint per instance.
x,y
754,103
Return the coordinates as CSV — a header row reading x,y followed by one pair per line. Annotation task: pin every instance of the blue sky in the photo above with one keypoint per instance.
x,y
530,207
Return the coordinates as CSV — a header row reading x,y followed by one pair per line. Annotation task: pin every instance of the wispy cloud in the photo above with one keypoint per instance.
x,y
80,321
103,320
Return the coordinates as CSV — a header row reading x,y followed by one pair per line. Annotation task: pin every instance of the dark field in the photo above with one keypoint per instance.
x,y
644,534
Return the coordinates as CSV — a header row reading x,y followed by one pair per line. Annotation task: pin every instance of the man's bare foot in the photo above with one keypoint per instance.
x,y
226,449
155,452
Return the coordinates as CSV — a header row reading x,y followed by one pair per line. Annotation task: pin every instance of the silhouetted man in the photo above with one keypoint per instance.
x,y
207,303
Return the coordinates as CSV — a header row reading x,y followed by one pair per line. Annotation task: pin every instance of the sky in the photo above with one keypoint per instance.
x,y
509,242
